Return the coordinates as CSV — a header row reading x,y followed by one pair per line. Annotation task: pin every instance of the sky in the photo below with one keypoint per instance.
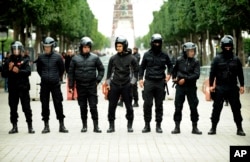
x,y
142,9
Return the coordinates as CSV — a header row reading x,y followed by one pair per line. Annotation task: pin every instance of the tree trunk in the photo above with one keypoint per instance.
x,y
239,51
37,45
211,47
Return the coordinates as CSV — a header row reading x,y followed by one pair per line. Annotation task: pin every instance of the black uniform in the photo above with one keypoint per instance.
x,y
120,67
154,86
188,69
226,68
18,87
185,74
83,70
50,67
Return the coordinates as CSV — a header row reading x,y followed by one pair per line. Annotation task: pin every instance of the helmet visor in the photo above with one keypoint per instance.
x,y
47,45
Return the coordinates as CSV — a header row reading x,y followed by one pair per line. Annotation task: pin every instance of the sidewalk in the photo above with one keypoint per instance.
x,y
121,146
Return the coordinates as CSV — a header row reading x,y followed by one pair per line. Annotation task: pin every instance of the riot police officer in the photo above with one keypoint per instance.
x,y
18,70
154,62
135,87
185,74
83,71
122,69
50,67
226,68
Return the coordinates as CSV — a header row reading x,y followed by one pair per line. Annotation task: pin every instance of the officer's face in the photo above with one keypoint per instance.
x,y
156,44
228,48
119,48
190,53
47,49
16,51
86,49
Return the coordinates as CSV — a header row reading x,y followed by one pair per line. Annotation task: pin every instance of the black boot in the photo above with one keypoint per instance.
x,y
46,127
84,126
14,129
147,128
136,104
96,127
30,128
62,128
240,131
212,131
158,127
195,129
177,129
130,123
111,127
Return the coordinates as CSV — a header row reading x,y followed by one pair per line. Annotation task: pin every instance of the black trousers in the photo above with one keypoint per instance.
x,y
125,91
135,92
153,90
87,94
181,93
24,96
231,93
55,90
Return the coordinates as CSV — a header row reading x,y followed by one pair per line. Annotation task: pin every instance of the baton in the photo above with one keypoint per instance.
x,y
166,85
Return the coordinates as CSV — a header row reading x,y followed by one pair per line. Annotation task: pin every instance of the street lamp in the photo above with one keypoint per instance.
x,y
3,38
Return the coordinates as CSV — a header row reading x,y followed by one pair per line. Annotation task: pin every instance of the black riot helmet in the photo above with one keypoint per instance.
x,y
156,38
17,45
227,41
48,41
85,41
123,41
187,46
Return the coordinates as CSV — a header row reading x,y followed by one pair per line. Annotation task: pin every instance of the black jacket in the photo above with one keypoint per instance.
x,y
137,56
122,69
83,69
50,68
188,69
18,80
226,68
155,66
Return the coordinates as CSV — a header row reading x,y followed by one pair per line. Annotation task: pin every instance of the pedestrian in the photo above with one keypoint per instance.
x,y
154,64
135,87
18,70
86,71
227,69
68,58
50,68
186,71
122,69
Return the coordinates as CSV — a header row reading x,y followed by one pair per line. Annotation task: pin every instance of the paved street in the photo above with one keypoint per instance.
x,y
120,146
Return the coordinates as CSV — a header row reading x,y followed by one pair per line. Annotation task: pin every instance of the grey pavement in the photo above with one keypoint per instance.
x,y
121,146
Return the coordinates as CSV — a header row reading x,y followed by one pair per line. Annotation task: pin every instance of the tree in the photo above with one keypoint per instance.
x,y
179,21
64,20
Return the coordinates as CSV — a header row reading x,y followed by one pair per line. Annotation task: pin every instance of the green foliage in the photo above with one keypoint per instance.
x,y
71,19
6,46
246,43
182,20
